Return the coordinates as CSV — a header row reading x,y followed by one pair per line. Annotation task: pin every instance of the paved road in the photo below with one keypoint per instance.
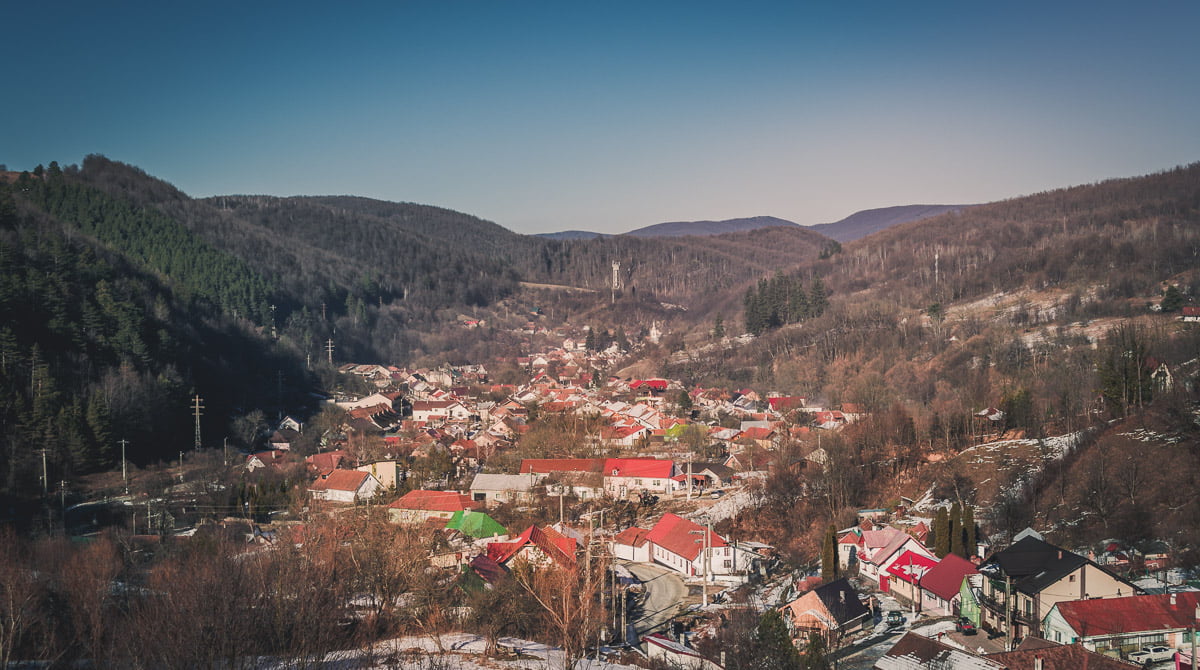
x,y
665,591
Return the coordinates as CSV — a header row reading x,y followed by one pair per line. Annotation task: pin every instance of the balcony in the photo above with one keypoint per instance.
x,y
996,606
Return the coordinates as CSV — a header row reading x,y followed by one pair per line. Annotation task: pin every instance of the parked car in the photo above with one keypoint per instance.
x,y
964,626
894,619
716,494
1154,654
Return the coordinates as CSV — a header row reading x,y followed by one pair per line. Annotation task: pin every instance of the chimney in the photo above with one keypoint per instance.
x,y
1060,554
1172,600
1037,663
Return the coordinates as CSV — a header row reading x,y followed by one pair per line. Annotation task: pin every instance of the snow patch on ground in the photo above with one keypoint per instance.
x,y
453,651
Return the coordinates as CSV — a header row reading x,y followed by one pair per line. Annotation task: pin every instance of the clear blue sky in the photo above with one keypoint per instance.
x,y
608,116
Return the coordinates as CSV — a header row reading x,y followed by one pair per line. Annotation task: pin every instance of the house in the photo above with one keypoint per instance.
x,y
346,486
903,577
271,458
832,610
1038,654
539,547
624,477
672,654
445,410
1024,581
389,473
494,489
1190,313
283,439
631,544
326,460
549,466
881,548
917,652
1125,624
419,506
680,545
477,525
941,587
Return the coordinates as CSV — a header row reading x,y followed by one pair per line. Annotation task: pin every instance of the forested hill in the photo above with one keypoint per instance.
x,y
385,275
1116,239
111,318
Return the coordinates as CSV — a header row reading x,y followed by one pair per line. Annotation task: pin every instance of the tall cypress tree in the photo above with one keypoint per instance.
x,y
941,533
956,530
970,540
829,562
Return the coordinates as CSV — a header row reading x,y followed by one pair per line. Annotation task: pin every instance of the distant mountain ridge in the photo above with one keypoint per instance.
x,y
861,224
853,227
705,228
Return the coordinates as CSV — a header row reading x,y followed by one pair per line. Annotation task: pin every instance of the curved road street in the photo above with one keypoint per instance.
x,y
665,591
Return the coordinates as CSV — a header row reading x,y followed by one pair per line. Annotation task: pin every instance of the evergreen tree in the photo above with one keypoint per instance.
x,y
970,539
956,530
772,647
99,423
589,342
718,330
815,653
1172,300
829,557
684,402
941,533
818,299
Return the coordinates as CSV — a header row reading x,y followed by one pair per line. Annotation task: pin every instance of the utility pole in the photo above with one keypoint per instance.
x,y
45,476
329,350
197,406
124,471
1008,609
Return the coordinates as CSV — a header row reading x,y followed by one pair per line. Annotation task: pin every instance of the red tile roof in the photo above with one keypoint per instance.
x,y
434,501
910,566
1064,657
340,480
1131,614
945,579
675,534
327,460
639,467
559,548
543,466
633,536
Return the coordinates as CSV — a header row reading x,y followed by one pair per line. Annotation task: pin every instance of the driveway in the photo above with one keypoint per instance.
x,y
665,592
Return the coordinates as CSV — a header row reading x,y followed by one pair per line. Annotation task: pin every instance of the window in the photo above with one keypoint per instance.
x,y
1071,578
728,564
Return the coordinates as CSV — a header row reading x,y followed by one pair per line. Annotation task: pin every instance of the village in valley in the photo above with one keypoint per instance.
x,y
629,481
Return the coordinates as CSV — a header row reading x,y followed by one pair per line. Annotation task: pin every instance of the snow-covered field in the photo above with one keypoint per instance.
x,y
454,651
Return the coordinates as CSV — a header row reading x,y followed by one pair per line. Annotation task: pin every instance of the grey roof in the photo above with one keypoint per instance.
x,y
485,482
842,601
1035,564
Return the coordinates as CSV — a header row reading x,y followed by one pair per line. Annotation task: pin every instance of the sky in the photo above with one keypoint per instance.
x,y
608,116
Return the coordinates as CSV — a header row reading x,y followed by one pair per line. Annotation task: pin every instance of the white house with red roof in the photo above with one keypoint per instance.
x,y
1111,623
884,547
624,477
419,506
345,486
679,544
631,545
903,577
540,547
